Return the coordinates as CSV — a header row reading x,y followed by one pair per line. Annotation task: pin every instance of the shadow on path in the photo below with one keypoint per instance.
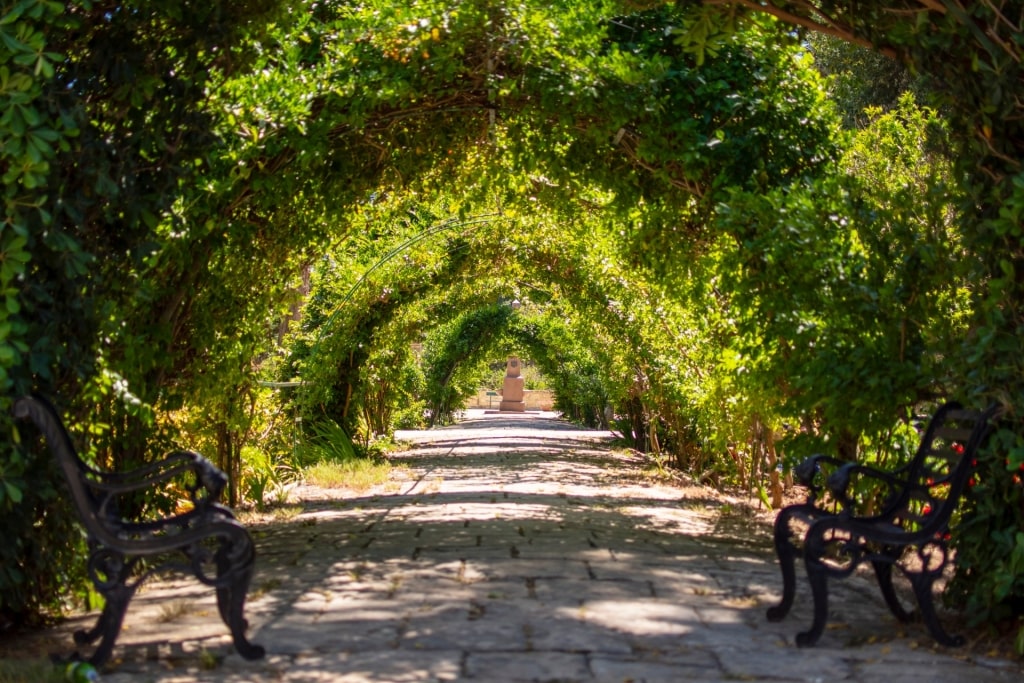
x,y
522,550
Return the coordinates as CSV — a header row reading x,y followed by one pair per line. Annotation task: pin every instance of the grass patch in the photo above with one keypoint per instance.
x,y
271,513
400,446
359,474
30,671
207,660
331,460
173,610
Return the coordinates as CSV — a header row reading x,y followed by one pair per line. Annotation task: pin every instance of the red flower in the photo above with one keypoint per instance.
x,y
958,448
926,510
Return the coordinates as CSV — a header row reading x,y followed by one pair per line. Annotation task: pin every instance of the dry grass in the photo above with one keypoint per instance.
x,y
173,610
359,475
273,513
29,671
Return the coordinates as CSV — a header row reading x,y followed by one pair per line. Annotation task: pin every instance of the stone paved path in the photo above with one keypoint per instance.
x,y
519,549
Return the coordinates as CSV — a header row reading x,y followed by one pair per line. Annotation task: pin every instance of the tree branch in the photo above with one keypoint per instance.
x,y
834,28
688,186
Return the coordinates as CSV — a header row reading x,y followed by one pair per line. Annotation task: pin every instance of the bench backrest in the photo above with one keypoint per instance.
x,y
76,472
941,468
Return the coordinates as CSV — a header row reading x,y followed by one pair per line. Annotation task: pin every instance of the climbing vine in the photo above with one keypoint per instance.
x,y
341,198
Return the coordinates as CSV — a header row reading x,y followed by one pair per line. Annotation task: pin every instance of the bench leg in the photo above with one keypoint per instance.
x,y
108,625
88,637
238,562
787,563
816,543
923,591
883,572
111,574
818,577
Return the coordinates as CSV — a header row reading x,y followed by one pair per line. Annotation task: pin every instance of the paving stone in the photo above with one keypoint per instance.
x,y
552,591
391,666
803,664
894,670
527,666
566,631
642,616
701,667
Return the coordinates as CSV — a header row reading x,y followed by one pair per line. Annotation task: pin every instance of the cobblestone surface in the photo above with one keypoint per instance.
x,y
521,549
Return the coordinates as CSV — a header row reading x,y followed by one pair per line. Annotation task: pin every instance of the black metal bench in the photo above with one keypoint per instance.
x,y
905,525
123,553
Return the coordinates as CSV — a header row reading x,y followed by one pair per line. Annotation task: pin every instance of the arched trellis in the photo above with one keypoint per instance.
x,y
618,371
543,268
994,134
466,224
478,330
473,336
497,330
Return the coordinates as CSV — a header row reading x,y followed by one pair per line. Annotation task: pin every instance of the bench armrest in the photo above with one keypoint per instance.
x,y
809,473
207,487
839,481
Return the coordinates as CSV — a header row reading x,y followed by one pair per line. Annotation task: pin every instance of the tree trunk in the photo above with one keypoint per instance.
x,y
227,460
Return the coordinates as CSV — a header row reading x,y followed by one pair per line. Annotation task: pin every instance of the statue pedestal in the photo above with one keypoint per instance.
x,y
512,395
512,389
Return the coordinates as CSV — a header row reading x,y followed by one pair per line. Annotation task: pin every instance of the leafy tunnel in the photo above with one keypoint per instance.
x,y
710,234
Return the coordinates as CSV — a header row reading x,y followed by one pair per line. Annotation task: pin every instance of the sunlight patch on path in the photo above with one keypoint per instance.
x,y
523,552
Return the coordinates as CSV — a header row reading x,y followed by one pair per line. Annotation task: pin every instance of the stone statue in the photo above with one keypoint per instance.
x,y
512,388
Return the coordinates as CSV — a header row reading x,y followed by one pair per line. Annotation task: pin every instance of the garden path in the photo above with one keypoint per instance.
x,y
522,548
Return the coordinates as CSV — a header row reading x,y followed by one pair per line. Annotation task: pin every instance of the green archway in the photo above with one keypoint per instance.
x,y
533,331
170,175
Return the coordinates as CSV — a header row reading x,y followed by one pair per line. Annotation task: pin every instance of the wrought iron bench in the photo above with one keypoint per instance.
x,y
206,540
906,527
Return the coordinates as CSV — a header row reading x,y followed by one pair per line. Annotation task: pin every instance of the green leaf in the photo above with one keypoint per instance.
x,y
13,492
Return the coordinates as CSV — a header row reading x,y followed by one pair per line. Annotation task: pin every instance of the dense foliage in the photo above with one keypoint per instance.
x,y
228,225
102,125
971,53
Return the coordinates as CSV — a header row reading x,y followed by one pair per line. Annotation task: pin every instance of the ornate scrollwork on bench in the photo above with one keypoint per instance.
x,y
906,528
205,540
